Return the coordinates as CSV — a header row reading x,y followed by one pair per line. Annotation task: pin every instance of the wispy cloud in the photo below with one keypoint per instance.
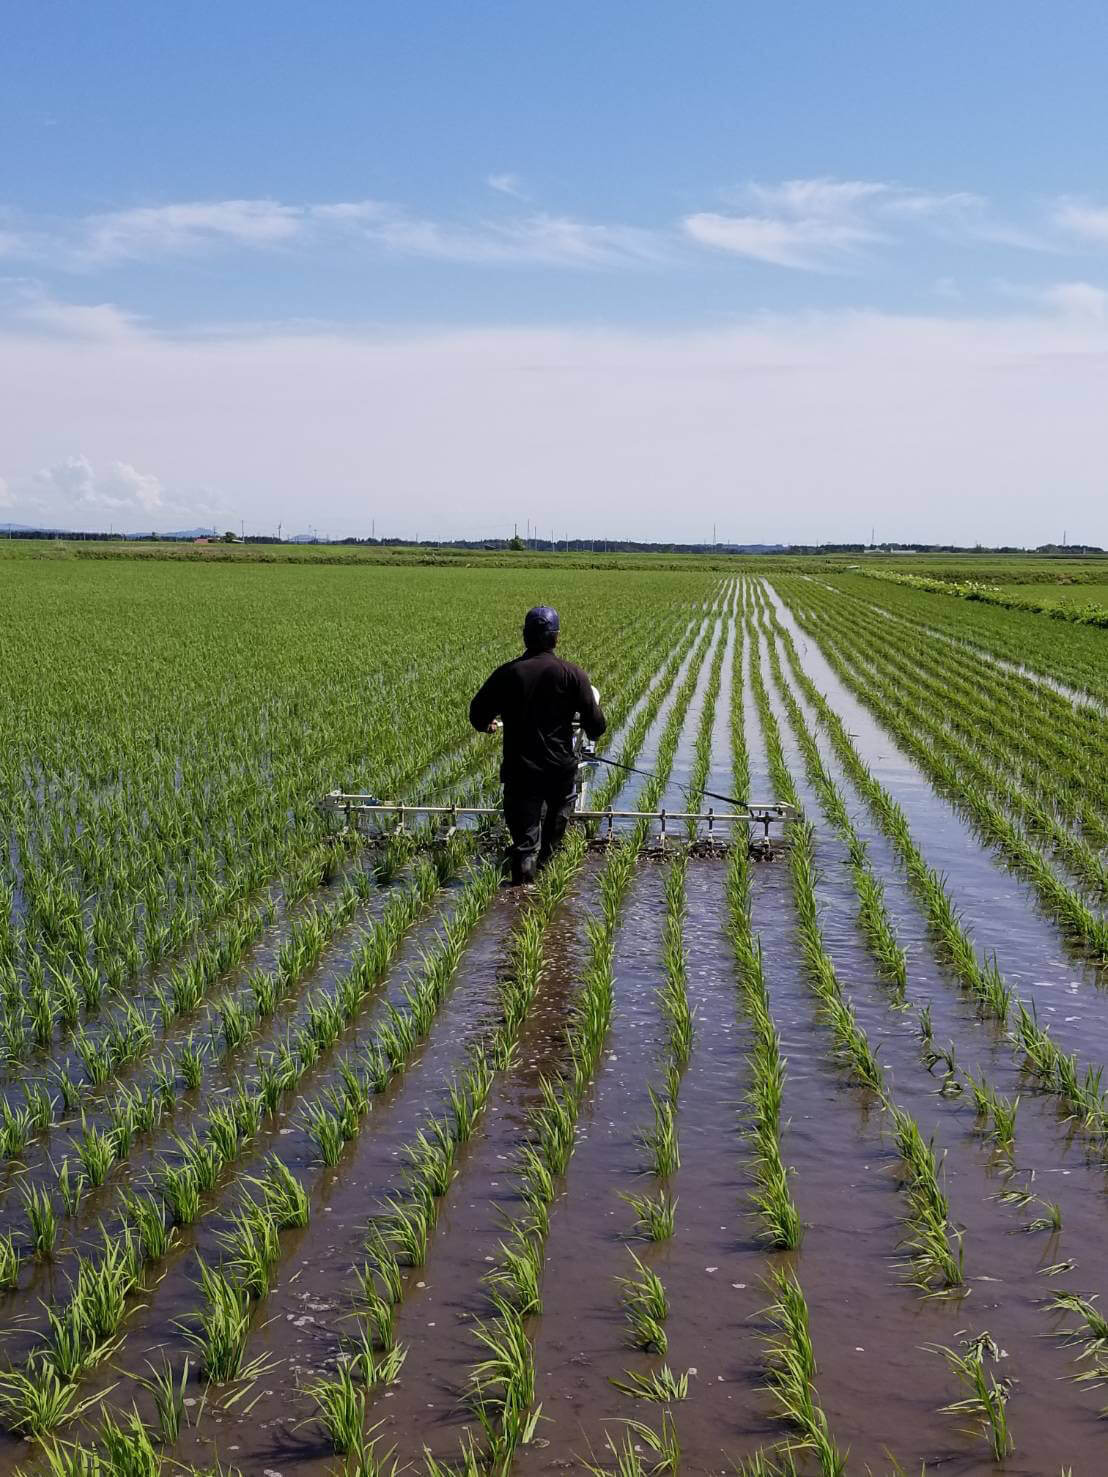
x,y
506,184
828,225
546,239
1082,219
812,245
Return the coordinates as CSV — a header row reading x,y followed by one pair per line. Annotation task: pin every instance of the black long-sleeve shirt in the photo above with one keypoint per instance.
x,y
536,696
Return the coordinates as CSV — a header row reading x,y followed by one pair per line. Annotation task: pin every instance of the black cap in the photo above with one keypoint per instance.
x,y
540,625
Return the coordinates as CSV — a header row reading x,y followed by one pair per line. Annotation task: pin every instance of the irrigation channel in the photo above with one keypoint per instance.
x,y
701,1164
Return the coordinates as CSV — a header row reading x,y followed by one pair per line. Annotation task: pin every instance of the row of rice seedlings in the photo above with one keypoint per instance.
x,y
791,1372
502,1385
933,1246
1054,1071
225,1324
135,1111
782,1228
967,782
971,709
969,778
126,1040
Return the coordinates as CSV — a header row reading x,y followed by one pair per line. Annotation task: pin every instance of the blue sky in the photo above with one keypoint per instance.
x,y
791,269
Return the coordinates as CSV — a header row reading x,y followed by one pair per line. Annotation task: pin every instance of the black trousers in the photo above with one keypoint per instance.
x,y
536,811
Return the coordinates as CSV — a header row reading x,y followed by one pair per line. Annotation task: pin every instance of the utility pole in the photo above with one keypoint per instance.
x,y
242,528
280,525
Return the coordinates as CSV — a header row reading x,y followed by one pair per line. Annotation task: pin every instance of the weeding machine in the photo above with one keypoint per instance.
x,y
760,826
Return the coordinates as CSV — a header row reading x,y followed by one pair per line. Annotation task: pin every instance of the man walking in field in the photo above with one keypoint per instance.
x,y
537,696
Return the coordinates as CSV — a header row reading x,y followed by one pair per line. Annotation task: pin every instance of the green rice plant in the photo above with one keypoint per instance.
x,y
10,1261
645,1307
181,1190
517,1278
1050,1220
776,1464
471,1461
223,1132
69,1090
661,1385
340,1403
326,1130
375,1368
377,1313
149,1217
254,1246
97,1152
202,1158
102,1286
628,1457
167,1390
40,1105
71,1188
987,1401
42,1220
126,1447
385,1264
283,1196
16,1128
35,1401
223,1326
190,1064
655,1215
661,1138
407,1229
71,1346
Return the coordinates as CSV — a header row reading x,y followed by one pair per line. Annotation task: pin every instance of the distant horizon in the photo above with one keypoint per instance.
x,y
569,543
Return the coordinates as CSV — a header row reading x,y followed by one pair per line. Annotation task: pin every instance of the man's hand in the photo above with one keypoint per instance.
x,y
495,726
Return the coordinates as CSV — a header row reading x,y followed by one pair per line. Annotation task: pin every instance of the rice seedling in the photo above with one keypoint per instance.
x,y
167,1390
628,1456
126,1447
661,1138
283,1196
223,1326
10,1261
149,1216
661,1385
987,1401
179,1186
340,1403
655,1215
791,1371
254,1247
97,1152
645,1307
190,1064
36,1401
42,1221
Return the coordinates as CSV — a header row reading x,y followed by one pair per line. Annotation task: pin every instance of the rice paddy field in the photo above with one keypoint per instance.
x,y
320,1156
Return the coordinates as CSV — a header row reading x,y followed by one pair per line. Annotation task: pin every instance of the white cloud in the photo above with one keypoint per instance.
x,y
1080,300
543,239
506,184
73,484
825,224
815,244
189,226
1079,218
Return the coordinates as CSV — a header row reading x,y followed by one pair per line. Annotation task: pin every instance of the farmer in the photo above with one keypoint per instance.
x,y
537,696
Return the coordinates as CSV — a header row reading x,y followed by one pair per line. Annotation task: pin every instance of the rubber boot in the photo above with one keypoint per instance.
x,y
526,870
